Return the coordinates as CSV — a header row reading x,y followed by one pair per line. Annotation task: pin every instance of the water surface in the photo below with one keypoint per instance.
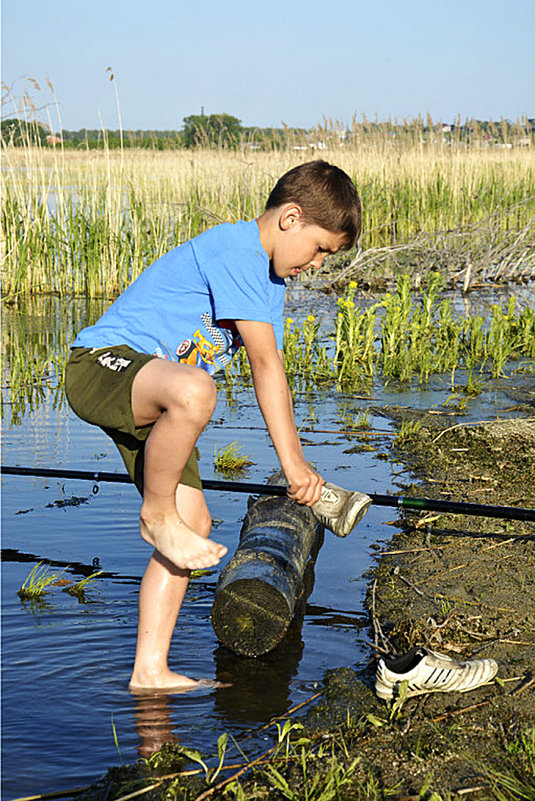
x,y
66,664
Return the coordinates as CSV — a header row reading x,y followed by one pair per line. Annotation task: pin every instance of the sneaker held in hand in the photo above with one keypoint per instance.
x,y
429,672
339,509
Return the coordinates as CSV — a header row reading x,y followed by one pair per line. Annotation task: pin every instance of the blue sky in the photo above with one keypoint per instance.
x,y
274,61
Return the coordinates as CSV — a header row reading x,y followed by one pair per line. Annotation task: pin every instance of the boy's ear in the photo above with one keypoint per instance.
x,y
290,215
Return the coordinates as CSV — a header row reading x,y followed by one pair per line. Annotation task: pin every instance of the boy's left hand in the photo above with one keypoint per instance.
x,y
275,402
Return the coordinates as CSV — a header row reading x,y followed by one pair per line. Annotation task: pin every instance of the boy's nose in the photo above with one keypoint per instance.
x,y
317,261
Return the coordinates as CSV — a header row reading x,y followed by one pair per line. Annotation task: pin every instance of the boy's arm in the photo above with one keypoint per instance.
x,y
275,402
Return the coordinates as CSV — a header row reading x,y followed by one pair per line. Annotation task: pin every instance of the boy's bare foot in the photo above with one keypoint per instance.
x,y
169,682
179,543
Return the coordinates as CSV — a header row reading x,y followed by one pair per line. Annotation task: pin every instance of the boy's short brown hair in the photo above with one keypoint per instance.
x,y
327,196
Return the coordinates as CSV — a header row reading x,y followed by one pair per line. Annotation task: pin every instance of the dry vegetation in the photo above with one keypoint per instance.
x,y
88,222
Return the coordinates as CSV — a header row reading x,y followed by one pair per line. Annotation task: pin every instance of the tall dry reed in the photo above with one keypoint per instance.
x,y
89,222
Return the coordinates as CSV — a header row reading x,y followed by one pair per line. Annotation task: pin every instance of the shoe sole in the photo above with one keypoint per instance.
x,y
413,693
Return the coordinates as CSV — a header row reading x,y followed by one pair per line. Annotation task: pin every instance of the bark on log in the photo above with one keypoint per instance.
x,y
257,592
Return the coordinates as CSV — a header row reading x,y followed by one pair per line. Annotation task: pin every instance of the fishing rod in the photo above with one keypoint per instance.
x,y
398,501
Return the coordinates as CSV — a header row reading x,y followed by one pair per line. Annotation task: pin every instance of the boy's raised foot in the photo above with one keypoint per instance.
x,y
179,543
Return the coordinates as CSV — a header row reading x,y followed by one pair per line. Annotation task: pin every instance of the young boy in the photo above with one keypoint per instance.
x,y
143,374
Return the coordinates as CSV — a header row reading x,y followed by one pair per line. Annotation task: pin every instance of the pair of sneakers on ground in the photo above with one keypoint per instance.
x,y
424,671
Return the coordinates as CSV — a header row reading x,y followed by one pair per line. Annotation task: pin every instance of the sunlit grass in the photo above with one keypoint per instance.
x,y
402,336
230,461
89,222
37,582
405,336
78,589
408,430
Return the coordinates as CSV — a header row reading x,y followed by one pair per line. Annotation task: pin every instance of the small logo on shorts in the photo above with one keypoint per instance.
x,y
115,363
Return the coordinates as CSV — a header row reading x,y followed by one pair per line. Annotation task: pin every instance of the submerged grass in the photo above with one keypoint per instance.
x,y
37,582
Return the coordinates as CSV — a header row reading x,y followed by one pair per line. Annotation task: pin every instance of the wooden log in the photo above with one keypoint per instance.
x,y
257,592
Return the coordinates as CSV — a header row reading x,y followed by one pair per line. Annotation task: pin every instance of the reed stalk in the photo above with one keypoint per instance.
x,y
88,222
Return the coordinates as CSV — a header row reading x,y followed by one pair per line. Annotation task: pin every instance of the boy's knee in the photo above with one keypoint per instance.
x,y
204,391
198,395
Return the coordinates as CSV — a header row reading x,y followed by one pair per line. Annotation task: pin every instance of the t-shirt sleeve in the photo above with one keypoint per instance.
x,y
277,311
239,286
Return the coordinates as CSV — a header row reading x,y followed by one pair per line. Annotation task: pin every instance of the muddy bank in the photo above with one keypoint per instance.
x,y
463,586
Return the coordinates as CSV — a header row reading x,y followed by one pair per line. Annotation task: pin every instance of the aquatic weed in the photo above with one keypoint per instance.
x,y
37,582
78,589
306,362
354,353
408,430
230,461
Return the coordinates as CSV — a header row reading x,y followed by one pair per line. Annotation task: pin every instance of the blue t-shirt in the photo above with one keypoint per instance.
x,y
183,306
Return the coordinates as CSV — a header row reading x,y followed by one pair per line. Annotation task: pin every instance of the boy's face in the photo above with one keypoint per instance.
x,y
302,246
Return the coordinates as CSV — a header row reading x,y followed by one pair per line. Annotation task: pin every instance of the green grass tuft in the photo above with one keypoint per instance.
x,y
37,582
229,461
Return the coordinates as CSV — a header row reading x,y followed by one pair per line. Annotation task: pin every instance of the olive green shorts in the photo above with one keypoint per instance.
x,y
98,385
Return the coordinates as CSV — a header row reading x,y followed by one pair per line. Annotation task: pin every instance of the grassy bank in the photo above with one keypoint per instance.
x,y
89,222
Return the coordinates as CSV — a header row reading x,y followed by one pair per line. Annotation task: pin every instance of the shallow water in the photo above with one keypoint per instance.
x,y
66,664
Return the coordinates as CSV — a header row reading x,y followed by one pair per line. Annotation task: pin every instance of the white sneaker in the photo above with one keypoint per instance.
x,y
339,509
429,672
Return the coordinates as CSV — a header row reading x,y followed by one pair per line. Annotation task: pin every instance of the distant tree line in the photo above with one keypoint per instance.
x,y
226,131
199,130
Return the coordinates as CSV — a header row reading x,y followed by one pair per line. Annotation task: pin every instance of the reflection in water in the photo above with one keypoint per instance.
x,y
153,723
251,689
36,334
260,686
259,690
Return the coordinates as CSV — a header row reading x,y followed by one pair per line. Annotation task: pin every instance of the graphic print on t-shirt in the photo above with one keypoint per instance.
x,y
210,353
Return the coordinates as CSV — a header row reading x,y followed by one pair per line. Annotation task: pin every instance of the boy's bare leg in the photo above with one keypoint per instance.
x,y
179,400
160,599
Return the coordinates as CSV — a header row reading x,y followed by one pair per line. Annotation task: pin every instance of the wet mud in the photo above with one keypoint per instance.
x,y
462,586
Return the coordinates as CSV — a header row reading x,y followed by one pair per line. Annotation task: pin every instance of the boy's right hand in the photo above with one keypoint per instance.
x,y
304,484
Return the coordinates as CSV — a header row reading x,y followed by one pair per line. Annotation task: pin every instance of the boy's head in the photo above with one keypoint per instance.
x,y
325,194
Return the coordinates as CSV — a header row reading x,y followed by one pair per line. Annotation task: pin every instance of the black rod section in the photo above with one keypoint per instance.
x,y
400,501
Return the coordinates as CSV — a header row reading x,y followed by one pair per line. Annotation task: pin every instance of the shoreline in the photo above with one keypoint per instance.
x,y
459,585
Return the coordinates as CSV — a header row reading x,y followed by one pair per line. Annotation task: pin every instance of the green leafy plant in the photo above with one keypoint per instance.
x,y
399,700
408,430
